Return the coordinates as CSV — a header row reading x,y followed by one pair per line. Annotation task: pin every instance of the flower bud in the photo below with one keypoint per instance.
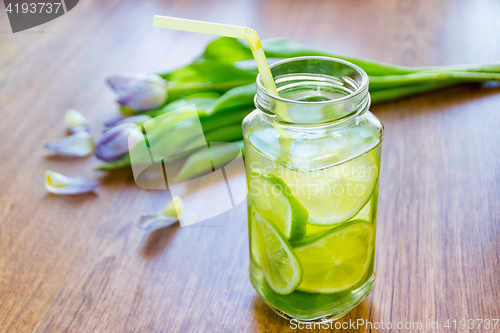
x,y
140,92
113,145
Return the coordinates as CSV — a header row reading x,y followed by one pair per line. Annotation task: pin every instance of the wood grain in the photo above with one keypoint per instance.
x,y
79,264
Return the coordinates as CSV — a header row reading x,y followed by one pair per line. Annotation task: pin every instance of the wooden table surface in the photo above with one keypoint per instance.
x,y
80,264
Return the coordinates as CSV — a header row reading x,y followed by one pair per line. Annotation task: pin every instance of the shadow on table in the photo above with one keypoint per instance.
x,y
158,241
117,177
266,320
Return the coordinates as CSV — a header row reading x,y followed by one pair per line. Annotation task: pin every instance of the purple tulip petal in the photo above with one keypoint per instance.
x,y
166,217
76,122
60,184
151,221
79,144
113,121
76,129
139,119
120,80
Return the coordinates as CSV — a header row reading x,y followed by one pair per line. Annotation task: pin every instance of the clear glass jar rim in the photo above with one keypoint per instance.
x,y
361,89
341,86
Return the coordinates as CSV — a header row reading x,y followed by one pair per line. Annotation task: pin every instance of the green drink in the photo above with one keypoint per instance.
x,y
312,159
312,152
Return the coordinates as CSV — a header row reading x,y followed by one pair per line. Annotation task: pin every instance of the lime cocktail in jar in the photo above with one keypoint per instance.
x,y
312,157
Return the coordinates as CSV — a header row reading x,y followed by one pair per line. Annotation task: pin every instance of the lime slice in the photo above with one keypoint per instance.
x,y
279,262
298,303
253,235
335,194
337,259
274,200
364,214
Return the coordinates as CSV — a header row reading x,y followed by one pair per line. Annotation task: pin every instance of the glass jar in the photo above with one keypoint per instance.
x,y
312,158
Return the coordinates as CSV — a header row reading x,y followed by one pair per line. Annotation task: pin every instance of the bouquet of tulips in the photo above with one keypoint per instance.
x,y
221,83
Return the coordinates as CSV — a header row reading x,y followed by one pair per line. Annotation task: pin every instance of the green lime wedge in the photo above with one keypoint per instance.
x,y
338,259
335,194
273,199
279,262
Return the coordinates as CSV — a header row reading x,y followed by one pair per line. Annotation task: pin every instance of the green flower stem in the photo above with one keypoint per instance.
x,y
391,94
492,68
392,81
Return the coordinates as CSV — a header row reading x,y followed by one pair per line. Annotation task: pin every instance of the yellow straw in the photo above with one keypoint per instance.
x,y
227,30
